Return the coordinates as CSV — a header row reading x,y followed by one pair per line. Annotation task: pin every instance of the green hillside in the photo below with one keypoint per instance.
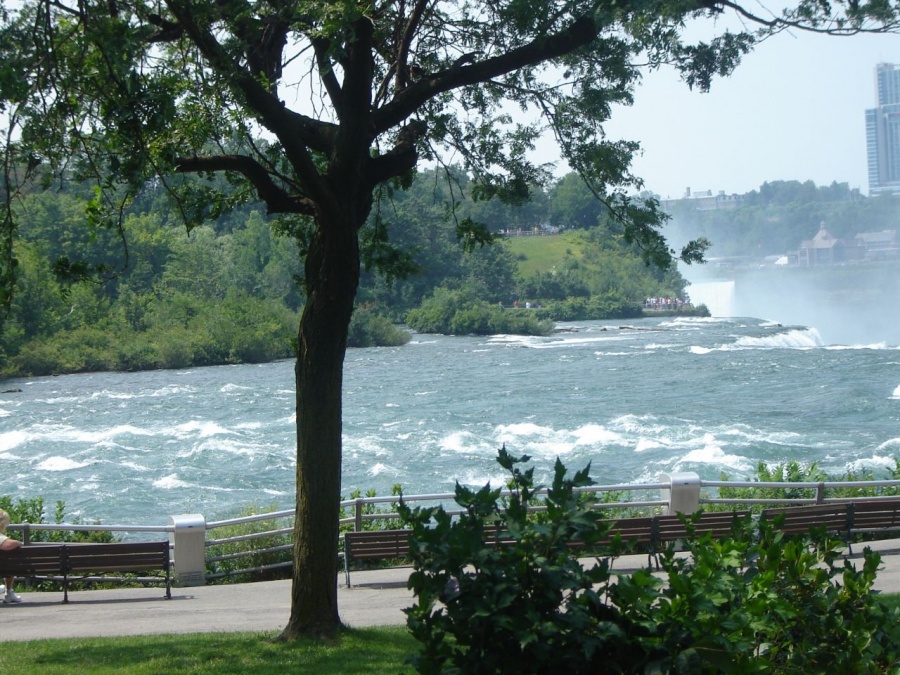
x,y
545,254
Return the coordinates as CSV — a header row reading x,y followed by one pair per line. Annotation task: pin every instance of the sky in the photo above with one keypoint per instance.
x,y
794,109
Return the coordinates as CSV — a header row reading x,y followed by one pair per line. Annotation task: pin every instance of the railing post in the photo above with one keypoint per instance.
x,y
683,494
357,526
189,542
820,493
26,533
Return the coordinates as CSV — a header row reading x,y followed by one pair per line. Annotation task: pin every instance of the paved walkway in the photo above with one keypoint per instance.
x,y
376,598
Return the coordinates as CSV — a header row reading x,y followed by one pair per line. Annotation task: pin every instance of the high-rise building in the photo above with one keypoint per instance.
x,y
883,131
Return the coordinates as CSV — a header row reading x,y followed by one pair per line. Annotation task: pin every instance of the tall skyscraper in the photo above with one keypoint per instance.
x,y
883,131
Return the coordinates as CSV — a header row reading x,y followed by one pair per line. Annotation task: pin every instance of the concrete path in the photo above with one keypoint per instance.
x,y
377,597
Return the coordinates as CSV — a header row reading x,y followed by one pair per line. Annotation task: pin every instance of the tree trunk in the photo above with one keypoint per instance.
x,y
332,277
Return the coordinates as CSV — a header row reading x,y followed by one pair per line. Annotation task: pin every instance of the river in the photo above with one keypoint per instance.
x,y
633,398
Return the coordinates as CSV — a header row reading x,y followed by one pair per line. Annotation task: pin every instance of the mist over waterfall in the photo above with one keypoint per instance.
x,y
847,305
718,296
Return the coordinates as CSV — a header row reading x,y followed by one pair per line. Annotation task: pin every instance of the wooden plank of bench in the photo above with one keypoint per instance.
x,y
876,515
833,518
121,557
716,523
34,560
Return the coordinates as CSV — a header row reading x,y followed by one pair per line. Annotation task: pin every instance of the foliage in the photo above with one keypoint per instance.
x,y
749,603
460,312
595,308
369,328
244,555
32,511
795,472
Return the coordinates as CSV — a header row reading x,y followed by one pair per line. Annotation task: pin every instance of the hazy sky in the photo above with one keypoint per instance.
x,y
793,110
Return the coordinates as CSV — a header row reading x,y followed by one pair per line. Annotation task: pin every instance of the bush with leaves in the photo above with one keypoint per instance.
x,y
258,550
754,602
32,511
526,607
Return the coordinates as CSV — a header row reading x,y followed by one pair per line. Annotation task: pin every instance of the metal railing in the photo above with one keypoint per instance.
x,y
226,546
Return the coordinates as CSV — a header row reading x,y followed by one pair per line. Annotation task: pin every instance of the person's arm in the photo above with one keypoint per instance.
x,y
8,544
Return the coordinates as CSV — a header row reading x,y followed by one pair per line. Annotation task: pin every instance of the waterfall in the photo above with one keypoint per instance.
x,y
718,296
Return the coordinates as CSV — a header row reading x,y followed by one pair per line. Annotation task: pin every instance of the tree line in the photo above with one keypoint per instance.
x,y
778,217
156,294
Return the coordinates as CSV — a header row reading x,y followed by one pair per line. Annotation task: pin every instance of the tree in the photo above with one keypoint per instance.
x,y
348,97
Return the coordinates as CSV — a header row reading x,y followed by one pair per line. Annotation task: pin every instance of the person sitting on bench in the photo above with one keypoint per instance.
x,y
7,544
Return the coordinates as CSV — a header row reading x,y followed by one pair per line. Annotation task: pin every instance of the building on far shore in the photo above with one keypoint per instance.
x,y
826,249
883,132
705,200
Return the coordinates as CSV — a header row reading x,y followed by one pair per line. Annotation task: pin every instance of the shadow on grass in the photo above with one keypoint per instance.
x,y
371,650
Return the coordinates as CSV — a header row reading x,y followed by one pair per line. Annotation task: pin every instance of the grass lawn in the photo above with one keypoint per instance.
x,y
543,254
370,650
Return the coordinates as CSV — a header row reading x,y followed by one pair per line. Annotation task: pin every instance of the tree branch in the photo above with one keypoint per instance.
x,y
580,33
277,199
297,133
402,157
326,72
409,32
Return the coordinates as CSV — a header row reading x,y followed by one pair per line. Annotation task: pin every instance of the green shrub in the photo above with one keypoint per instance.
x,y
264,556
461,313
755,602
32,511
368,328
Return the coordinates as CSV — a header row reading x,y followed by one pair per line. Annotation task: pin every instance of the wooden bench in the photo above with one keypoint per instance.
x,y
649,532
842,519
374,545
654,532
70,562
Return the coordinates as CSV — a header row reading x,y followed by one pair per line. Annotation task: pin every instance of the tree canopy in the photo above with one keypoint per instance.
x,y
352,96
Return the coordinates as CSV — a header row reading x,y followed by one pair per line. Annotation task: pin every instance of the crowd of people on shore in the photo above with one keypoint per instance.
x,y
667,303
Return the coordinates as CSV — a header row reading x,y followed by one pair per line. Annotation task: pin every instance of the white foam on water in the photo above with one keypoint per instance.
x,y
595,434
12,439
251,426
230,387
645,444
460,441
476,479
201,428
713,455
892,443
105,393
896,394
873,462
807,338
60,464
170,482
379,469
510,432
4,413
700,350
876,346
172,389
275,493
